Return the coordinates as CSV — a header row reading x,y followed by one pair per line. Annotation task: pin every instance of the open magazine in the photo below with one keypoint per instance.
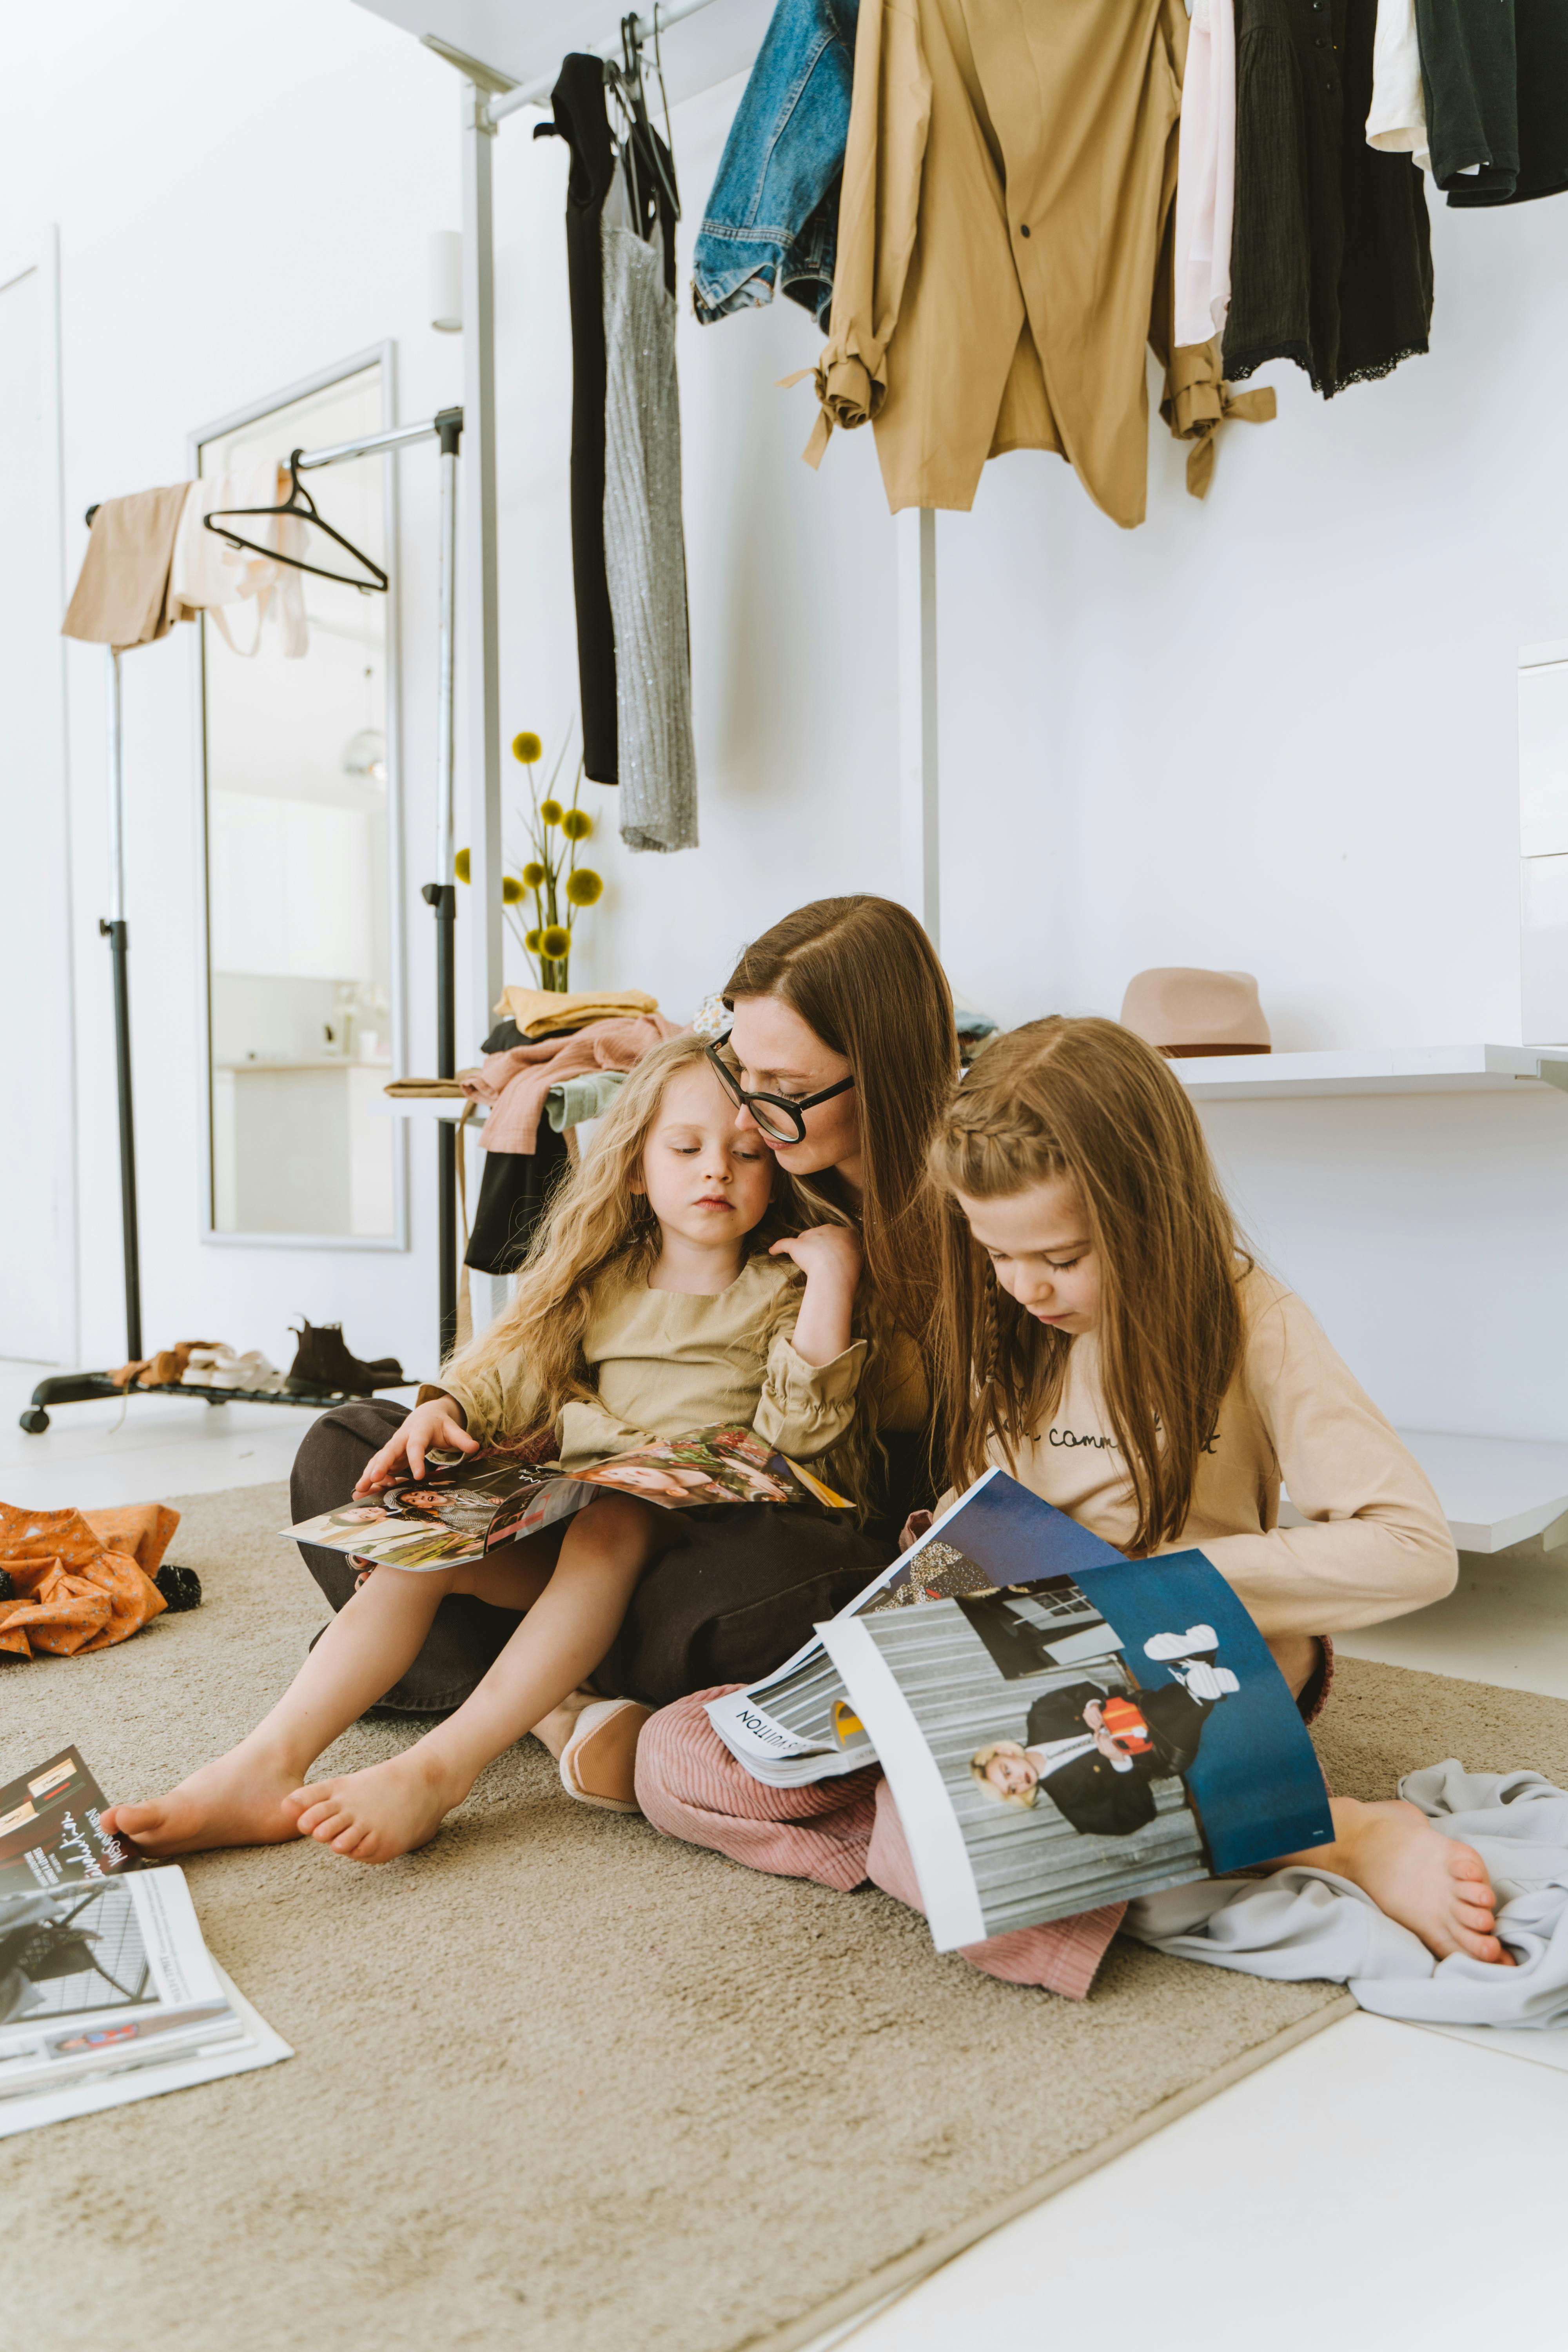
x,y
1062,1726
106,1992
465,1506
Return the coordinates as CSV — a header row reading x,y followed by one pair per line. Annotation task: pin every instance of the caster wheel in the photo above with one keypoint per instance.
x,y
35,1421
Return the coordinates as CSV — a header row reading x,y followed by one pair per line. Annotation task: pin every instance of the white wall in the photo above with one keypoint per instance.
x,y
1275,730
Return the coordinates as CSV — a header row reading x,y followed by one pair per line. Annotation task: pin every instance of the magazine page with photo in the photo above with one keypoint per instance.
x,y
462,1508
1058,1743
51,1830
797,1724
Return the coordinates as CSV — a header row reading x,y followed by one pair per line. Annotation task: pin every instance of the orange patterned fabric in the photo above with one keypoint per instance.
x,y
81,1580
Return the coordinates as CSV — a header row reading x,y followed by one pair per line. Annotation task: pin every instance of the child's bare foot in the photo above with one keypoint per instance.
x,y
386,1809
236,1800
1430,1883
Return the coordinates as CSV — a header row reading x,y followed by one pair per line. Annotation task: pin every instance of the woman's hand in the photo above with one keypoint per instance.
x,y
439,1422
829,1257
917,1525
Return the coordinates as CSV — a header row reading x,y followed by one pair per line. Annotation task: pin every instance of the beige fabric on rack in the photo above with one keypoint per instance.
x,y
121,596
207,574
1008,181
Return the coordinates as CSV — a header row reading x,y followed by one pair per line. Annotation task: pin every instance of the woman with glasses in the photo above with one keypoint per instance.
x,y
840,1056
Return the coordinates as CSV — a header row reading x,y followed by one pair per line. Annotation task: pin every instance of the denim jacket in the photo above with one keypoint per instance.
x,y
772,225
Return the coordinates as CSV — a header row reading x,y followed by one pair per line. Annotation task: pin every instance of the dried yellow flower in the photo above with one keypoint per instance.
x,y
460,865
511,890
584,887
533,874
555,941
527,748
550,812
576,824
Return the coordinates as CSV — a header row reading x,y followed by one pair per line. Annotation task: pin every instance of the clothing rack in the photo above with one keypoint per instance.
x,y
489,98
75,1388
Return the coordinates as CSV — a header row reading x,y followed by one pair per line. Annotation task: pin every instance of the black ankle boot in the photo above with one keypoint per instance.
x,y
322,1360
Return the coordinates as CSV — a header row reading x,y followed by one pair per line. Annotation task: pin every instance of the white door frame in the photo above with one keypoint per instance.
x,y
41,253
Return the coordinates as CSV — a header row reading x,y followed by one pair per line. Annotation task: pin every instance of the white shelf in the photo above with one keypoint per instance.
x,y
1495,1491
426,1108
1399,1069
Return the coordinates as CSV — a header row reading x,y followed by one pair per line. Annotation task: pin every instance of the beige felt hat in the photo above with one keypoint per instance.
x,y
1186,1011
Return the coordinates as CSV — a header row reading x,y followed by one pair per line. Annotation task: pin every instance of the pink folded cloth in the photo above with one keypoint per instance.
x,y
517,1081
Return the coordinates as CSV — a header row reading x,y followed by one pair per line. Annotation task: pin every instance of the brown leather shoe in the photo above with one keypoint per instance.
x,y
598,1763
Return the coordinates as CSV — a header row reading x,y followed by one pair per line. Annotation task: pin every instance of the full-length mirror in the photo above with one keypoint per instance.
x,y
300,805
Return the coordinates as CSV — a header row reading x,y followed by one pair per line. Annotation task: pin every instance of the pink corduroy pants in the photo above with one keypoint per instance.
x,y
839,1832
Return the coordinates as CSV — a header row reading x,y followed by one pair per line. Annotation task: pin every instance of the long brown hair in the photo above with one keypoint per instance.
x,y
863,976
1087,1100
597,1221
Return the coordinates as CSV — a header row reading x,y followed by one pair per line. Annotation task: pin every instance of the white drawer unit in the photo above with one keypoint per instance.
x,y
1543,841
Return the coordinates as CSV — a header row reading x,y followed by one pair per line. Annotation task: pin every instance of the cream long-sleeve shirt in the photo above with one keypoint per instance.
x,y
666,1362
1376,1543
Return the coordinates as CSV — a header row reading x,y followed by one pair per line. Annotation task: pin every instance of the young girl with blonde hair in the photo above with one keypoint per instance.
x,y
1104,1337
663,1296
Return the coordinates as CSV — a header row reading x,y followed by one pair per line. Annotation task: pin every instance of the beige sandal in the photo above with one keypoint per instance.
x,y
598,1761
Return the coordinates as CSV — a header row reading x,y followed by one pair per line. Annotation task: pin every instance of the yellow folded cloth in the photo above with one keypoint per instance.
x,y
537,1010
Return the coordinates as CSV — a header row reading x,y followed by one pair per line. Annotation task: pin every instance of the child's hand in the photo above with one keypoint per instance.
x,y
829,1257
917,1525
828,1254
439,1422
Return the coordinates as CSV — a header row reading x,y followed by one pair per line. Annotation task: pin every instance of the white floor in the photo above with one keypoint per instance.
x,y
1380,2188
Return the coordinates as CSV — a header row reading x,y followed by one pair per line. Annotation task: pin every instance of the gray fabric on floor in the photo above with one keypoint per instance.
x,y
563,2083
1310,1923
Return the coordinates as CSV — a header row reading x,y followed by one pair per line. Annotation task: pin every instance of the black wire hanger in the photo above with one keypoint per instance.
x,y
302,506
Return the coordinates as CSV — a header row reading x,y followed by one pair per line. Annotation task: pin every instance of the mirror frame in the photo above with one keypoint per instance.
x,y
384,355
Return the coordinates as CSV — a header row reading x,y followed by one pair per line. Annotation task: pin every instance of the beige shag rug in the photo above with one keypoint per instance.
x,y
563,2084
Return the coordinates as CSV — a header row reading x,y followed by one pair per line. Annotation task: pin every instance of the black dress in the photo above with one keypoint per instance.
x,y
1496,78
578,102
1331,259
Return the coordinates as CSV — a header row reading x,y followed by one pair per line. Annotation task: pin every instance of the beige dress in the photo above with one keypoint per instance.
x,y
666,1363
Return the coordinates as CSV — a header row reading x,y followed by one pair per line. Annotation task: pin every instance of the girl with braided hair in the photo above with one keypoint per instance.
x,y
1102,1334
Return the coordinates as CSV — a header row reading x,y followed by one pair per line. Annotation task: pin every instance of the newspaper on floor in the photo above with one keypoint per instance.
x,y
108,1992
1058,1742
464,1507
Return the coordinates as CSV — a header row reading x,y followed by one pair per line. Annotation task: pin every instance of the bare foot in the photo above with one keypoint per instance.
x,y
1430,1883
386,1809
238,1800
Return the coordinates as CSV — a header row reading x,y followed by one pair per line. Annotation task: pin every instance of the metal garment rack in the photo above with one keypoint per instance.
x,y
489,98
75,1388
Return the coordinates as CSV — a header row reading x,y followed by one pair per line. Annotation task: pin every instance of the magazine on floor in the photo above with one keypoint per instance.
x,y
1069,1727
51,1832
108,1992
465,1506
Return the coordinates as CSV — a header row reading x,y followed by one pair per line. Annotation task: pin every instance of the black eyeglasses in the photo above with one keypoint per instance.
x,y
781,1117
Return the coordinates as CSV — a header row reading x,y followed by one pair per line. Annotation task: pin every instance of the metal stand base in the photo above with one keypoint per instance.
x,y
78,1387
